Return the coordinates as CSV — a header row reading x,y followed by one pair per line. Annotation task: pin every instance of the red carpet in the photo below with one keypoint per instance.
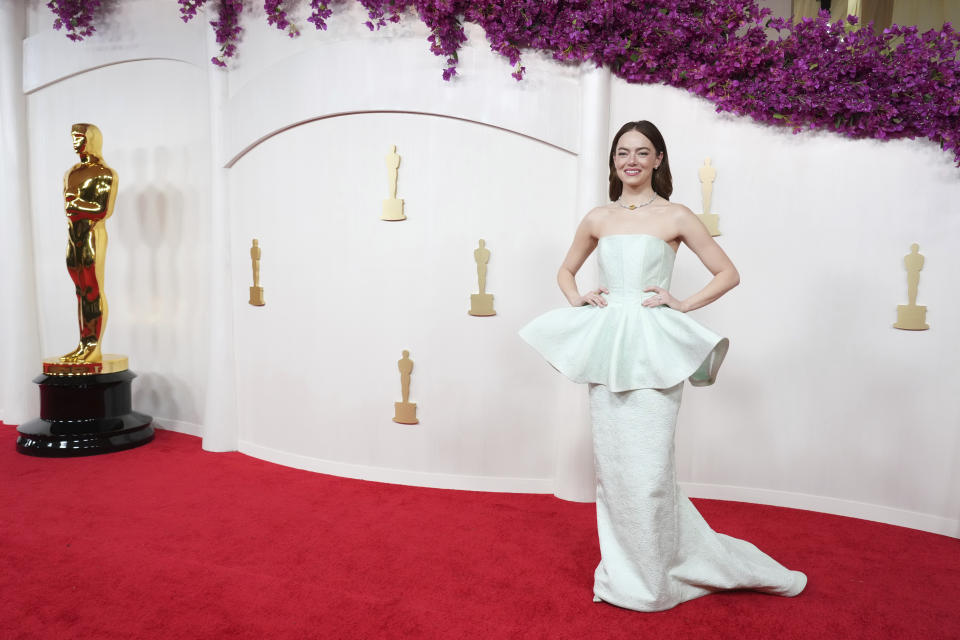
x,y
169,541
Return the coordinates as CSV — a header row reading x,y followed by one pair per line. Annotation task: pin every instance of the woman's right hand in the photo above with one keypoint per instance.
x,y
594,298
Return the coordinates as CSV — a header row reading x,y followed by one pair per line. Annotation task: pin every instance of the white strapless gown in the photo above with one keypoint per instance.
x,y
656,549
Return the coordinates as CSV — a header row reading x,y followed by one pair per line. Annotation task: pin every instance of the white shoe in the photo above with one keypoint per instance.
x,y
799,584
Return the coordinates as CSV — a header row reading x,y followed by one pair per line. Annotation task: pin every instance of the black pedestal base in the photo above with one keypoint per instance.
x,y
84,416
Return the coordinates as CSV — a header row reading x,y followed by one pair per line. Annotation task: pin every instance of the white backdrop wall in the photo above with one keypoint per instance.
x,y
821,404
348,292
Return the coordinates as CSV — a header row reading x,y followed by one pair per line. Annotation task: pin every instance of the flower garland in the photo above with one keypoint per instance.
x,y
810,74
74,15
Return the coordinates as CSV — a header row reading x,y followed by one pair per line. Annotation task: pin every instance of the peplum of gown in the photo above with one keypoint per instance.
x,y
656,549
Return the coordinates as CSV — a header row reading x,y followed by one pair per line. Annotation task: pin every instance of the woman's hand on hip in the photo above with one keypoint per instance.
x,y
663,298
594,298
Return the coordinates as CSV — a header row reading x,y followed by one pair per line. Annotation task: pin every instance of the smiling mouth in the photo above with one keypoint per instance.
x,y
631,172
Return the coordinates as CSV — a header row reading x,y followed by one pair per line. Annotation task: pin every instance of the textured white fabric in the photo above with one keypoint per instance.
x,y
656,549
626,345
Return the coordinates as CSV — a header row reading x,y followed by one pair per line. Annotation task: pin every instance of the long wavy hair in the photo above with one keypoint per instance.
x,y
662,180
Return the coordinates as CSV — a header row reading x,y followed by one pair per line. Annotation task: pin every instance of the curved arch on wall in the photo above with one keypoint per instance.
x,y
49,57
297,90
253,145
56,77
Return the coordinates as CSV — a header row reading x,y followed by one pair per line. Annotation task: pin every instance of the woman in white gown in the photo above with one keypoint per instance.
x,y
633,343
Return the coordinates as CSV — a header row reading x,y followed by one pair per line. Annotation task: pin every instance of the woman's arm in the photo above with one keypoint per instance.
x,y
584,242
725,275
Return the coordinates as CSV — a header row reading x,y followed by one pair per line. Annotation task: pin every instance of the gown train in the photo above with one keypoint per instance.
x,y
656,549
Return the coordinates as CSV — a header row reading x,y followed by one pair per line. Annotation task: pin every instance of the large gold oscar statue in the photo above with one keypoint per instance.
x,y
89,192
85,395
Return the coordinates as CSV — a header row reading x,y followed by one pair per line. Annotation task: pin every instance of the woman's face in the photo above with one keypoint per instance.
x,y
634,158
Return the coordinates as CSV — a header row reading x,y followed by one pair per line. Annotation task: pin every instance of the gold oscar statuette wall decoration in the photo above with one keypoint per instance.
x,y
392,206
405,412
256,291
911,316
85,395
481,304
710,220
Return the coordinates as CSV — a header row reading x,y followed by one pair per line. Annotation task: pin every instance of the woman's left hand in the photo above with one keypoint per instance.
x,y
663,297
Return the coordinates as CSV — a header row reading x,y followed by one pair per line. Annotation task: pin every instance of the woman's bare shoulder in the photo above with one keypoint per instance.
x,y
677,210
595,217
679,214
599,214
